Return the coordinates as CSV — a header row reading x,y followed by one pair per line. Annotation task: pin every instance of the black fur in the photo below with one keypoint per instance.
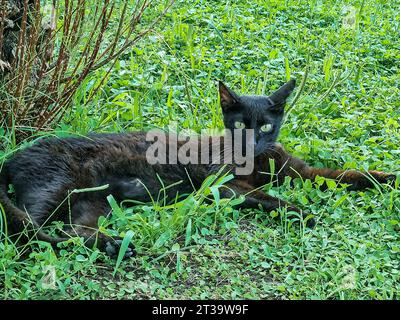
x,y
44,175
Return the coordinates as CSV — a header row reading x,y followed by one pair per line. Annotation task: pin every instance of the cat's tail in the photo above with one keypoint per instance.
x,y
19,218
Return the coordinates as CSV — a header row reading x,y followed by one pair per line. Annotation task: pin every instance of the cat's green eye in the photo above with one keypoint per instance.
x,y
266,127
239,125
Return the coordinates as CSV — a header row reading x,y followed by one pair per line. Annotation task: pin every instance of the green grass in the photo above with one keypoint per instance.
x,y
347,116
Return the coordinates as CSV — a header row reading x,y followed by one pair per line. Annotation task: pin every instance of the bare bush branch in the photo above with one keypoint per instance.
x,y
43,63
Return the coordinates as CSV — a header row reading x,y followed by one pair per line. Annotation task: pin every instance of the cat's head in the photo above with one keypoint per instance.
x,y
263,114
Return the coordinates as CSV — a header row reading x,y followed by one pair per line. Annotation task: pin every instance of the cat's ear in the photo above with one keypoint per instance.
x,y
278,99
227,97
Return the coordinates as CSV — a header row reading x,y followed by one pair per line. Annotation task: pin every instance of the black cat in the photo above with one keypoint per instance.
x,y
44,174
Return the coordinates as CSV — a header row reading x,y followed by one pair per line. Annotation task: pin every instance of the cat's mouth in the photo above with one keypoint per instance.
x,y
262,148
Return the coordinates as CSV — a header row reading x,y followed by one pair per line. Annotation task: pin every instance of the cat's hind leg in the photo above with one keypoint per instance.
x,y
130,188
85,217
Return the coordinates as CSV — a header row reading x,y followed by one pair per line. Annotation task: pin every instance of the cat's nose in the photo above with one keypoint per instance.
x,y
255,142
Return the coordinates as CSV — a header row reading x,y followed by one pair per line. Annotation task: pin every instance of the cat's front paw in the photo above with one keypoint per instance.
x,y
112,248
310,222
383,177
371,179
